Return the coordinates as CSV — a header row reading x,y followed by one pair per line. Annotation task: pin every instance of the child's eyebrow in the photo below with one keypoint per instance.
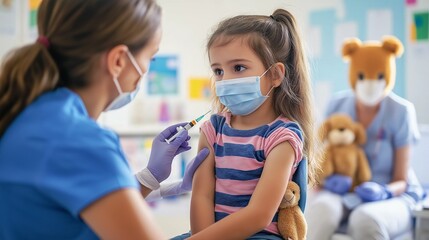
x,y
231,62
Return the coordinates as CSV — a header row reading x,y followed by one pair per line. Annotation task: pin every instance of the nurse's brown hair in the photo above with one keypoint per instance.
x,y
77,33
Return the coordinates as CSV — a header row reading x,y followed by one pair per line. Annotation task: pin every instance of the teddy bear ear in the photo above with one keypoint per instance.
x,y
350,46
393,45
360,134
324,130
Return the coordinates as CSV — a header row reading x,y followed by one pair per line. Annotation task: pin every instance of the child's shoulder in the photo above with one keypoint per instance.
x,y
283,124
219,118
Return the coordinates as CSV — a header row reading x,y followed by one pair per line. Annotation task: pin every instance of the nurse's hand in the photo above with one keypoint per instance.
x,y
183,186
338,184
186,184
162,154
372,191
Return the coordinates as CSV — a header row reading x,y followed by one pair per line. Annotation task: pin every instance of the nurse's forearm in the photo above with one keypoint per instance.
x,y
144,190
147,182
400,171
397,187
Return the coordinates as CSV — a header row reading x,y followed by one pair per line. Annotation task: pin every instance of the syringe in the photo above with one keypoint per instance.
x,y
188,126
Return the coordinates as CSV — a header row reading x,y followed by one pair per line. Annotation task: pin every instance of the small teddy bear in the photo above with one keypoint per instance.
x,y
343,153
291,221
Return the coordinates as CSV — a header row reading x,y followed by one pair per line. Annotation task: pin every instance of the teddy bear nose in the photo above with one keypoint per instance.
x,y
341,129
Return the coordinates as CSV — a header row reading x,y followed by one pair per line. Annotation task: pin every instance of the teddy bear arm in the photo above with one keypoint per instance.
x,y
301,225
363,169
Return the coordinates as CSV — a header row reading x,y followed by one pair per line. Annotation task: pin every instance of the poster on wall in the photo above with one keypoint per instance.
x,y
33,6
8,14
420,27
199,88
163,78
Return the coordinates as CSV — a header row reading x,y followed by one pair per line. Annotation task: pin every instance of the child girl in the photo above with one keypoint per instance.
x,y
264,127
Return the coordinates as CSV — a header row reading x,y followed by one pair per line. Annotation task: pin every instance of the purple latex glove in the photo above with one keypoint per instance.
x,y
162,153
372,191
338,184
183,186
192,166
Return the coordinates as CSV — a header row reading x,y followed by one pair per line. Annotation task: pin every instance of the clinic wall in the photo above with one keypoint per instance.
x,y
412,71
188,23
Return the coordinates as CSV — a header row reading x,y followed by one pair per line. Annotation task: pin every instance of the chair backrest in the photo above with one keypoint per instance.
x,y
301,178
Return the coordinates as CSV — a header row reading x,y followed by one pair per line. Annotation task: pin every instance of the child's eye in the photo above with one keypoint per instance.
x,y
239,68
218,71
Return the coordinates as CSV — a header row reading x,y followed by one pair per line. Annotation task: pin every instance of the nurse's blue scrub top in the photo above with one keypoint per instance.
x,y
393,127
55,161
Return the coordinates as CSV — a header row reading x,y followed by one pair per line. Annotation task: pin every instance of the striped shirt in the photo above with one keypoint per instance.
x,y
240,157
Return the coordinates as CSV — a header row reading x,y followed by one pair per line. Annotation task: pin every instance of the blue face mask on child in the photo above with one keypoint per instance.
x,y
241,96
125,97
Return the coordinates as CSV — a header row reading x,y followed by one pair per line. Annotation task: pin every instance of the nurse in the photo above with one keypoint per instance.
x,y
391,129
62,176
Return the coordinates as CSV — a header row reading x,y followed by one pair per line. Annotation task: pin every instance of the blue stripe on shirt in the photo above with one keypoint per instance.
x,y
240,175
239,150
232,200
220,215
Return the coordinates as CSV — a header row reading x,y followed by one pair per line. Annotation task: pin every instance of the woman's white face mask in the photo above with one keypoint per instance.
x,y
370,92
125,97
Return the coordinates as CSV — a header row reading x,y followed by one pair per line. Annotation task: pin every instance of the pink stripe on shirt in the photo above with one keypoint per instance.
x,y
238,162
236,187
226,209
272,228
256,141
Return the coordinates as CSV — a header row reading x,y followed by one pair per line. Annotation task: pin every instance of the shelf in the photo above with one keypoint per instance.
x,y
149,130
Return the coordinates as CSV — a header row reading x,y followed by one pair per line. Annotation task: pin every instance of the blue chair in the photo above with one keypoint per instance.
x,y
301,178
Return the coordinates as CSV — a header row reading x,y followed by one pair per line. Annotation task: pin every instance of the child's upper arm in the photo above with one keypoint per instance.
x,y
273,182
284,151
204,176
203,190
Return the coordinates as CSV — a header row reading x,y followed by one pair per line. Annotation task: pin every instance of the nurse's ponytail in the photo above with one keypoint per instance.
x,y
25,74
73,35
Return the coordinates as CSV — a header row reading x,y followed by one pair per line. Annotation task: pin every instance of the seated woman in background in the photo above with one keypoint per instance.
x,y
391,127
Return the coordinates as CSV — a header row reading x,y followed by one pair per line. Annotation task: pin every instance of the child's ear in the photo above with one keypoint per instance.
x,y
278,73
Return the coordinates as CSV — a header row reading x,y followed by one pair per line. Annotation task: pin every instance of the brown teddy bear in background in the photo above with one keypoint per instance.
x,y
343,152
291,221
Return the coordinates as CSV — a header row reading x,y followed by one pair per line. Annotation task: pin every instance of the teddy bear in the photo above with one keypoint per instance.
x,y
291,221
343,152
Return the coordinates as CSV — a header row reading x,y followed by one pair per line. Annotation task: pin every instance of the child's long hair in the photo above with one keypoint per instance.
x,y
275,39
78,33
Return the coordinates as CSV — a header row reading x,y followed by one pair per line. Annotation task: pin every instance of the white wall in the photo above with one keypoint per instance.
x,y
187,25
417,70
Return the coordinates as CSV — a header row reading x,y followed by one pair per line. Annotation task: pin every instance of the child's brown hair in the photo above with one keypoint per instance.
x,y
275,39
